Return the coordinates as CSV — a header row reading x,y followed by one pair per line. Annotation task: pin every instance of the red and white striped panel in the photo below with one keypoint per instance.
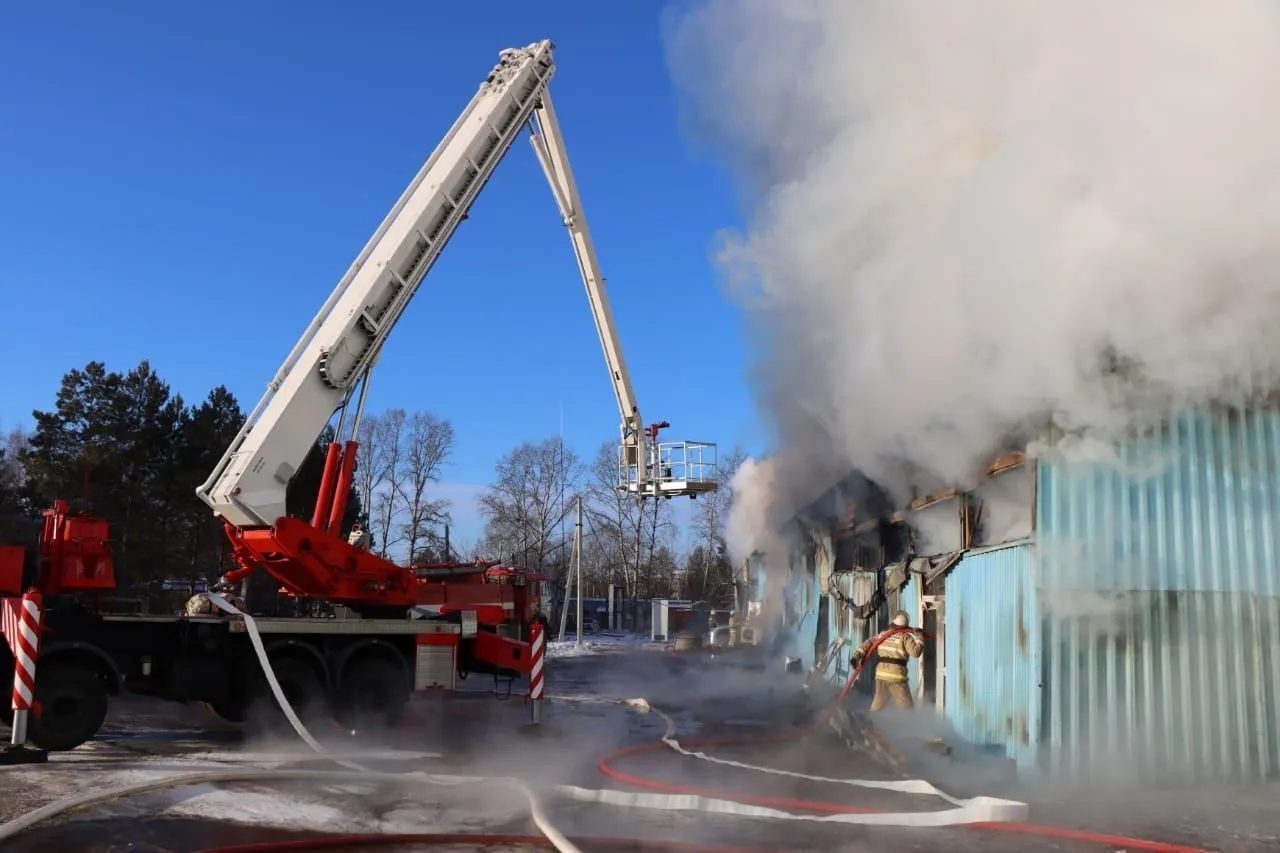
x,y
22,631
538,646
9,610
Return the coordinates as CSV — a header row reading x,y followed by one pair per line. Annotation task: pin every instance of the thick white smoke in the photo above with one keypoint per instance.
x,y
969,219
755,523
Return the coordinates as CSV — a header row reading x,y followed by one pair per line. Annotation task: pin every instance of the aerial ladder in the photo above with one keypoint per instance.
x,y
329,369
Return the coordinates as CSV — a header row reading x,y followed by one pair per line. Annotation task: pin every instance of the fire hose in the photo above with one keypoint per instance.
x,y
841,812
673,797
355,772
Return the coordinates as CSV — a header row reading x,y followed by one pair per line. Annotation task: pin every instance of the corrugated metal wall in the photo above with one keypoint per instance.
x,y
992,649
802,585
1160,580
854,631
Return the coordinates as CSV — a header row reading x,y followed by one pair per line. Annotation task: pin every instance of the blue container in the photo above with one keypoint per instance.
x,y
1159,582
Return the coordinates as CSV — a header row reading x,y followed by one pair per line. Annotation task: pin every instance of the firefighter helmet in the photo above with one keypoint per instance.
x,y
901,619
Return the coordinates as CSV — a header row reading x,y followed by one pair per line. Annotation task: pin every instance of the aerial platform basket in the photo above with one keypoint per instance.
x,y
682,469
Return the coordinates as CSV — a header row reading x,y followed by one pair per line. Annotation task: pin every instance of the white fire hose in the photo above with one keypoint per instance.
x,y
975,810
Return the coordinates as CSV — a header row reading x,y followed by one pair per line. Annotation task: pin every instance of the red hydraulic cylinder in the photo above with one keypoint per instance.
x,y
332,459
346,473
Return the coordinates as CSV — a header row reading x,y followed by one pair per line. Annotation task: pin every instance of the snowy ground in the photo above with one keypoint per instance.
x,y
597,643
475,733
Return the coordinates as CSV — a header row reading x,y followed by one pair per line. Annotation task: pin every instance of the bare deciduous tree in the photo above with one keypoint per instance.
x,y
707,567
633,531
614,518
525,503
401,456
11,473
12,479
428,443
388,470
367,476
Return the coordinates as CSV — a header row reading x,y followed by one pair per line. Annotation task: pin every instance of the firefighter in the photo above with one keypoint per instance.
x,y
359,537
891,671
200,605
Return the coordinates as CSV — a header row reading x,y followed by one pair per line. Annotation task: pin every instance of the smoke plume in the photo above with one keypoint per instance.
x,y
968,220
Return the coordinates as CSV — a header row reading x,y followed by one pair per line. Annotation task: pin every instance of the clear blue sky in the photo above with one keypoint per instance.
x,y
186,182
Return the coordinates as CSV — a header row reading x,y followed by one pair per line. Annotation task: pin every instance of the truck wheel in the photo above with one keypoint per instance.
x,y
73,706
229,710
302,688
373,692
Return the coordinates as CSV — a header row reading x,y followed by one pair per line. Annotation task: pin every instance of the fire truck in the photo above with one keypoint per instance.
x,y
394,629
507,597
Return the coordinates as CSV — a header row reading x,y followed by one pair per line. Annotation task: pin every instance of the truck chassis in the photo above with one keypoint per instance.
x,y
359,672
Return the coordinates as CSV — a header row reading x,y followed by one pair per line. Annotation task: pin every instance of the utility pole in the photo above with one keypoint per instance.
x,y
564,604
577,551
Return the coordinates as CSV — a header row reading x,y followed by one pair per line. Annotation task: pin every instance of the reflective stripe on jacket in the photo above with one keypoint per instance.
x,y
894,651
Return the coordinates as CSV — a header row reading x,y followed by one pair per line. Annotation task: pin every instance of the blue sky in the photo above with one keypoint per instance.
x,y
186,182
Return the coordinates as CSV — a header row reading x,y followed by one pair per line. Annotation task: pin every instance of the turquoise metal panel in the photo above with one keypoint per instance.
x,y
842,625
992,649
1160,580
802,588
853,630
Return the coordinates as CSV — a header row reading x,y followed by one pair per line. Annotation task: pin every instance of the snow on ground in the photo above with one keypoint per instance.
x,y
596,643
319,804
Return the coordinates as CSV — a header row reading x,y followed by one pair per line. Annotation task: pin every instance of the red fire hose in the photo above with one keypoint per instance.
x,y
605,767
1055,832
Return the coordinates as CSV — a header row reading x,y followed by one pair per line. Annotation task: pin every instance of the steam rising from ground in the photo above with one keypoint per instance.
x,y
969,219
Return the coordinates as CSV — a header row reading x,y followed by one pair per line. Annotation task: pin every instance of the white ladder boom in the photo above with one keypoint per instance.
x,y
643,467
247,487
339,348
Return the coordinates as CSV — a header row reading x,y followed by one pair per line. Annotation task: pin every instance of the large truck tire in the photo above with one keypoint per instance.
x,y
374,692
303,688
229,710
73,705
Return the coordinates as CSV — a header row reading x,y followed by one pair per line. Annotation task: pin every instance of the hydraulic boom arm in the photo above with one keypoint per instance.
x,y
337,352
247,487
643,466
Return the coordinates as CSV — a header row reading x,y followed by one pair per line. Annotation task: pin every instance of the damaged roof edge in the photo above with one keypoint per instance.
x,y
854,519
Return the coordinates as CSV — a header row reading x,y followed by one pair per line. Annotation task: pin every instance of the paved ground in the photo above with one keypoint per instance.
x,y
477,734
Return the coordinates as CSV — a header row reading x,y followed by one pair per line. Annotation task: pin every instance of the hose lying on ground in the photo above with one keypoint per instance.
x,y
355,772
988,813
256,774
978,809
767,805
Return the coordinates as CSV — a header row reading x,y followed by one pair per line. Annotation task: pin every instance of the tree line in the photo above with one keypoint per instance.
x,y
124,446
530,511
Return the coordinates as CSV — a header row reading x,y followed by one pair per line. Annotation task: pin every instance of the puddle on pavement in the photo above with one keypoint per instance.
x,y
216,736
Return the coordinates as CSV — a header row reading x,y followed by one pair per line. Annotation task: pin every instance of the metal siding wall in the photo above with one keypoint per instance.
x,y
992,648
824,556
853,630
1160,581
806,591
